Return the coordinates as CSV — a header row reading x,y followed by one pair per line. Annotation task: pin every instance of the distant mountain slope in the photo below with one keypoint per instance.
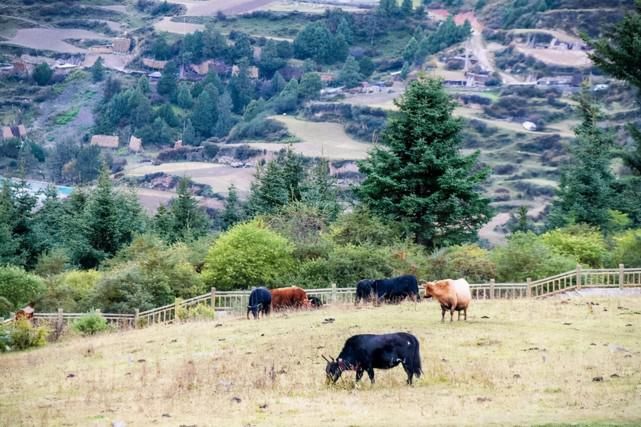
x,y
573,16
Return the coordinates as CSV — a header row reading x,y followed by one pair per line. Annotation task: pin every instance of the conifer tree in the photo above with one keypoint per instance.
x,y
419,178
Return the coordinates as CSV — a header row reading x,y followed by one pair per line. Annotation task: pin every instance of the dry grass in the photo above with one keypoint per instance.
x,y
52,39
318,139
513,362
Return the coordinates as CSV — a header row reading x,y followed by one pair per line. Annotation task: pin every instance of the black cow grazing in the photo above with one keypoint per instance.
x,y
315,302
363,291
396,288
260,300
363,353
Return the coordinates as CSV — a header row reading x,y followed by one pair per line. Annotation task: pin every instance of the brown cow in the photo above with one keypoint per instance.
x,y
451,294
25,313
292,297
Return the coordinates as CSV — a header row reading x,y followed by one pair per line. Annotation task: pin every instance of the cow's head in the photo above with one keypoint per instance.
x,y
429,289
333,369
255,309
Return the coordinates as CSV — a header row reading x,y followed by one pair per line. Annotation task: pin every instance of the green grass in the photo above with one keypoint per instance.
x,y
522,362
66,117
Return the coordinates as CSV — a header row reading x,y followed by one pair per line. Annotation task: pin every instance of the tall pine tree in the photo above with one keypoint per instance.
x,y
419,178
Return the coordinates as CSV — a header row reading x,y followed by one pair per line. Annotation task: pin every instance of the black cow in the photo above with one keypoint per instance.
x,y
315,302
363,290
363,353
396,288
260,300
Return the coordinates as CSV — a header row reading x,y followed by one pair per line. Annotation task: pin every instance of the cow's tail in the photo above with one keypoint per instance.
x,y
416,359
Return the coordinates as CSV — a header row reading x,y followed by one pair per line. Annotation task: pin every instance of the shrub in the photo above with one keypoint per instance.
x,y
19,287
362,227
582,242
248,255
5,339
197,312
90,324
526,255
71,291
627,248
24,335
468,261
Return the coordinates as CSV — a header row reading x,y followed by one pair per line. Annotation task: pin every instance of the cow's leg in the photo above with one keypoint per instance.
x,y
442,314
465,314
359,374
451,314
459,315
370,373
409,373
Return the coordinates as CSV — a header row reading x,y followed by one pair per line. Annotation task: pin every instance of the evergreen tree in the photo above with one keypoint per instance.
x,y
584,193
350,75
270,60
405,71
410,50
241,89
321,191
183,97
166,112
112,88
143,85
314,41
278,83
205,112
168,83
189,221
339,49
419,178
189,134
42,74
520,221
287,100
101,220
366,66
310,86
225,119
345,30
406,7
233,212
98,70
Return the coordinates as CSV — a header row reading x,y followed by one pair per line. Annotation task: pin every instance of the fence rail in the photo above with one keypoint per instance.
x,y
236,301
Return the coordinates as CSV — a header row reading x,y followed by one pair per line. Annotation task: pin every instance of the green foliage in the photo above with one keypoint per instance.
x,y
447,34
627,248
315,41
98,70
19,287
241,88
366,67
581,242
71,291
90,324
183,97
42,74
200,311
248,255
66,117
287,99
310,86
184,220
585,190
467,261
419,178
23,335
350,75
52,262
526,255
205,113
168,83
361,227
234,211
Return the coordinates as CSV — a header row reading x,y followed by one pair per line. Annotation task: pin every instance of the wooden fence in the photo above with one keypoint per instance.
x,y
237,301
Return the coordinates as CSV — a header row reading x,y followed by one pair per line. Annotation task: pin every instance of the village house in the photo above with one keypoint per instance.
x,y
154,64
105,141
252,71
10,132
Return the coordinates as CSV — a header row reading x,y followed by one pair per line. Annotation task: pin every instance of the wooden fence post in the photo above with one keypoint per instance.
x,y
621,276
529,287
492,289
213,298
60,319
333,293
578,276
176,307
136,317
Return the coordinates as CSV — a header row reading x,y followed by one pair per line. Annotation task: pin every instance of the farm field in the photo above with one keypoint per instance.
x,y
519,362
52,39
319,139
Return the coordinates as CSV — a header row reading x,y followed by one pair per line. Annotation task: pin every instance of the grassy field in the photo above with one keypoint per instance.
x,y
512,363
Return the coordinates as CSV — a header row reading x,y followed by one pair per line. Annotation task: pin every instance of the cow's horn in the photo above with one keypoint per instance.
x,y
326,359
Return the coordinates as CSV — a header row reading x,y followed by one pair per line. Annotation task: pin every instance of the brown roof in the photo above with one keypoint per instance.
x,y
154,63
201,69
121,45
6,132
252,71
178,144
105,141
135,144
22,131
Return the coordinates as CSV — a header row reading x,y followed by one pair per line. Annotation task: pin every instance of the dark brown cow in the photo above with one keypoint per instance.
x,y
287,298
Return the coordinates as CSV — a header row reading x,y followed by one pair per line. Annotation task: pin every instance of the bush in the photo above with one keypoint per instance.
x,y
581,242
362,227
248,255
526,255
5,339
627,248
197,312
24,335
468,261
90,324
71,291
19,287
